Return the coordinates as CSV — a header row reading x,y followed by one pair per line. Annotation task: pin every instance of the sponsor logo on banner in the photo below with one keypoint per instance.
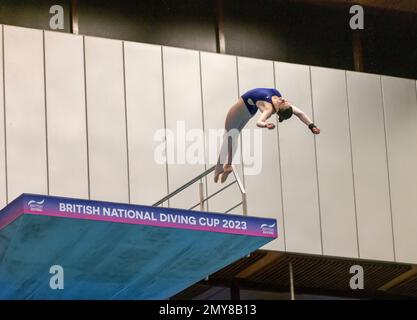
x,y
268,228
36,205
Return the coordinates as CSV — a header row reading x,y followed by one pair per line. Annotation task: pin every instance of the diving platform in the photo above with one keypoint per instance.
x,y
107,250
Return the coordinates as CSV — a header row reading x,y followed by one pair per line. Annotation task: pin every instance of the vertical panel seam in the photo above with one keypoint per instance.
x,y
352,166
280,170
240,136
388,171
86,119
415,86
46,112
165,122
204,128
316,162
4,115
126,122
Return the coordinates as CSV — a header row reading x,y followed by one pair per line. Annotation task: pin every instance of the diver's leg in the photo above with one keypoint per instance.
x,y
234,118
233,141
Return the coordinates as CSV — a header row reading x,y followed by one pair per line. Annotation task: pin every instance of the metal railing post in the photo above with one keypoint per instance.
x,y
242,191
201,191
183,187
244,204
291,281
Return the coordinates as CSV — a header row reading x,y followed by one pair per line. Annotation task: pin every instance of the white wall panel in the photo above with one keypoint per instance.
x,y
3,196
25,111
183,112
370,166
145,116
220,92
401,130
263,188
298,164
334,163
106,120
66,120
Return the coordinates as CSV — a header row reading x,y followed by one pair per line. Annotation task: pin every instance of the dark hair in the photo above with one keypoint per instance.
x,y
284,114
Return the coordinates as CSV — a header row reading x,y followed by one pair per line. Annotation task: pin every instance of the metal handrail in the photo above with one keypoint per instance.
x,y
234,207
185,186
202,199
239,182
213,194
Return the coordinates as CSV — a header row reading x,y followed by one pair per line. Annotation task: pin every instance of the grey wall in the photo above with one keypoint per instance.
x,y
144,85
334,162
66,114
80,114
369,161
106,119
401,137
25,120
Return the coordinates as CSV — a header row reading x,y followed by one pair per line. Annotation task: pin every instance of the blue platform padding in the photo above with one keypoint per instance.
x,y
116,251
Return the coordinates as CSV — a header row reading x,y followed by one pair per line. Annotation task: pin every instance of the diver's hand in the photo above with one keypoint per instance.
x,y
315,130
270,126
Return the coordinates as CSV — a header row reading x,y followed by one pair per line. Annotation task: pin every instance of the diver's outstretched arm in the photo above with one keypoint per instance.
x,y
301,115
304,118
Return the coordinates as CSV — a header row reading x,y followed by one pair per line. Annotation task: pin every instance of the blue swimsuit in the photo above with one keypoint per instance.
x,y
259,94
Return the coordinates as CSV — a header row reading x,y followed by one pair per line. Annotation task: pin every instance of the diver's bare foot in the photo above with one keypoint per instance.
x,y
227,169
217,172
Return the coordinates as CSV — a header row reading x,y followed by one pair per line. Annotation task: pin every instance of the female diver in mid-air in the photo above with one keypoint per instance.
x,y
268,101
